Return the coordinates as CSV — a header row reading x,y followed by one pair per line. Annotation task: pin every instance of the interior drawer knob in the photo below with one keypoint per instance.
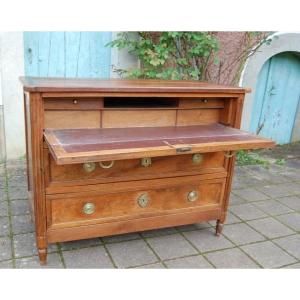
x,y
143,200
146,161
89,208
192,196
197,158
106,165
89,167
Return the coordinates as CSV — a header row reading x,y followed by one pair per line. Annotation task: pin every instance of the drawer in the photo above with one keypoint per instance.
x,y
133,169
73,104
78,209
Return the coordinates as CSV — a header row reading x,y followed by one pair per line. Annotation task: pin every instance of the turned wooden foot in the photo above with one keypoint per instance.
x,y
219,227
43,256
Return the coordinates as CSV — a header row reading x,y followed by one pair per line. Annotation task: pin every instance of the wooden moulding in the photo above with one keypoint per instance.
x,y
126,226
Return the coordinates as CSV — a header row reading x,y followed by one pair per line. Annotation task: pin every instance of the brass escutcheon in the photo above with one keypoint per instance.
x,y
108,166
89,208
89,167
143,200
192,196
146,161
197,158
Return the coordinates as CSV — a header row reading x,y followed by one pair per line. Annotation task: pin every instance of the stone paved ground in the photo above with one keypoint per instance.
x,y
262,231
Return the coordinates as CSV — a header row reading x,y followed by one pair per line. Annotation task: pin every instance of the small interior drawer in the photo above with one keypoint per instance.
x,y
76,103
133,169
76,209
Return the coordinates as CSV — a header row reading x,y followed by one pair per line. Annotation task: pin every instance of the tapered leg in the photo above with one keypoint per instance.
x,y
43,255
219,227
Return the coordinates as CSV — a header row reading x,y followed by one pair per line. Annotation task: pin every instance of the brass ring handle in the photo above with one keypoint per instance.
x,y
89,167
197,158
89,208
192,196
108,166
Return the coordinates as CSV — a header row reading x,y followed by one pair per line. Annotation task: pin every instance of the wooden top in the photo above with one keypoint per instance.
x,y
85,145
39,84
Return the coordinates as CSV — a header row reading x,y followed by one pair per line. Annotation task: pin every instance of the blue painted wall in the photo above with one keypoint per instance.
x,y
277,98
67,54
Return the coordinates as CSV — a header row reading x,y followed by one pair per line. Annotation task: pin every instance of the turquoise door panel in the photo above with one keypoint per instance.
x,y
67,54
277,98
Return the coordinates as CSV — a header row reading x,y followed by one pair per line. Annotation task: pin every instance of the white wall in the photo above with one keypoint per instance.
x,y
12,66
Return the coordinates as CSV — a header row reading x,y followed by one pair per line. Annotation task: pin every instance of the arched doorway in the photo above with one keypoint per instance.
x,y
281,42
276,98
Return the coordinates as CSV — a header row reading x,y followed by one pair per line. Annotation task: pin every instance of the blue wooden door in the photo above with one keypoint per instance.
x,y
277,98
67,54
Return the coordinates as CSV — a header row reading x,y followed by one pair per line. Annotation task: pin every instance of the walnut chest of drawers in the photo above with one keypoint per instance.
x,y
109,157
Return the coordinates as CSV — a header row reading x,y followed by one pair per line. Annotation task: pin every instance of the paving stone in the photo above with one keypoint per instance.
x,y
53,262
293,187
276,191
22,224
247,212
293,174
234,199
152,266
8,264
270,227
231,259
171,246
242,234
17,192
87,258
268,254
250,194
131,253
291,201
195,226
80,244
2,182
291,220
271,177
238,183
294,266
273,207
2,195
241,171
291,244
159,232
253,181
25,245
191,262
18,169
3,209
206,240
20,207
4,226
231,219
17,181
121,237
5,248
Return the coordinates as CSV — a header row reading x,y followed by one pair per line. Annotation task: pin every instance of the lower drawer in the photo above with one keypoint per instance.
x,y
78,209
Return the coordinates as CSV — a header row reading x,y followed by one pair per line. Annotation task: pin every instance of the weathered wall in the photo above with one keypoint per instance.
x,y
12,66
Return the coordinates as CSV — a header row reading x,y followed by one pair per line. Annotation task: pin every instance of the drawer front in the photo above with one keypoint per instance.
x,y
91,208
134,169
